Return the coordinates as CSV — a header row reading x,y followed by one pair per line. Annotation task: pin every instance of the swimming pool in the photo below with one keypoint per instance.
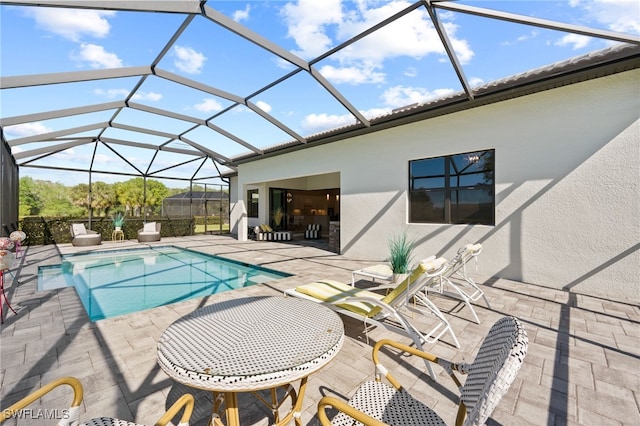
x,y
118,282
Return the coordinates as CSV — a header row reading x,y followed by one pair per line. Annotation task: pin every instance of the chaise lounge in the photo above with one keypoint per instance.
x,y
149,233
81,236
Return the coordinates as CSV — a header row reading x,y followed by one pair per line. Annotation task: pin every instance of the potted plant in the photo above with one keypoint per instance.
x,y
400,252
117,220
277,217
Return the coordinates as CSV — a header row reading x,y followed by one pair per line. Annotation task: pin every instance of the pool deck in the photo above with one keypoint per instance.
x,y
581,368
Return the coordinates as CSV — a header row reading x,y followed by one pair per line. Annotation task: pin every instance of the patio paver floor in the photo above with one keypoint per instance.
x,y
581,368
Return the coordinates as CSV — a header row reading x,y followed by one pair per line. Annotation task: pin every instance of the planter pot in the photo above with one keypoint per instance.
x,y
118,228
398,278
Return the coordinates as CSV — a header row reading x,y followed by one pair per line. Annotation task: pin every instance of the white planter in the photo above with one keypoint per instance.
x,y
398,278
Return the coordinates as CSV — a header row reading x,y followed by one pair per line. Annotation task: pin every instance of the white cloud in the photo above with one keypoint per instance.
x,y
577,41
476,81
26,129
264,106
318,122
315,30
188,60
96,56
524,37
308,24
72,24
146,96
351,75
399,96
242,15
616,15
208,105
112,93
411,72
105,159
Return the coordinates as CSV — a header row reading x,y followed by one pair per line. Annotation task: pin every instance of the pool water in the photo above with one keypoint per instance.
x,y
113,283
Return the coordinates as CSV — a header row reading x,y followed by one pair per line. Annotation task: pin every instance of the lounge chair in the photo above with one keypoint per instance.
x,y
266,233
149,232
457,283
385,310
81,236
72,414
489,377
313,231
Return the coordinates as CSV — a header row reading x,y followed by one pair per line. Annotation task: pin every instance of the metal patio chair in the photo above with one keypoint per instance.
x,y
70,416
489,377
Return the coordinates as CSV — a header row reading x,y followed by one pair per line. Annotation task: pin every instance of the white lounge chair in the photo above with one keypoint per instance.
x,y
81,236
457,283
150,232
488,379
385,310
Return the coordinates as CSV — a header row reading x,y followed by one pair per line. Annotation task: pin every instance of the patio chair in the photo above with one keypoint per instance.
x,y
70,416
81,236
18,237
266,233
313,231
489,377
150,232
464,288
385,310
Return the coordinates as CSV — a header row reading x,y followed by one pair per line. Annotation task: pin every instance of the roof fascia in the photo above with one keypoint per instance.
x,y
590,69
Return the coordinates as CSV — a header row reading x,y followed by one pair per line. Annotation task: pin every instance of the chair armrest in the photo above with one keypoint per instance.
x,y
34,396
342,406
447,365
187,402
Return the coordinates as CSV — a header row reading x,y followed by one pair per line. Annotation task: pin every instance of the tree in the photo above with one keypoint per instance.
x,y
103,198
29,200
79,195
131,195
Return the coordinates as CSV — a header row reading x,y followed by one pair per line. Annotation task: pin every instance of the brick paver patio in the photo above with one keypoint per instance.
x,y
581,368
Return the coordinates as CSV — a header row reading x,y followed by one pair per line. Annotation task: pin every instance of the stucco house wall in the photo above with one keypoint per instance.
x,y
567,179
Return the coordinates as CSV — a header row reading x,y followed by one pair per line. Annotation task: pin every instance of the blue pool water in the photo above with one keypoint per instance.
x,y
113,283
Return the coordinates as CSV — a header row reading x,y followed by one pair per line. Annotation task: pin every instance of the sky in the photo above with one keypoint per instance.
x,y
400,64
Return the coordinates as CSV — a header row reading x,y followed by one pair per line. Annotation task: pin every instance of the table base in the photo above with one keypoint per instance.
x,y
229,400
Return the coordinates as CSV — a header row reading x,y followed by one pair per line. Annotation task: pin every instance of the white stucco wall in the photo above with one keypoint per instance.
x,y
567,186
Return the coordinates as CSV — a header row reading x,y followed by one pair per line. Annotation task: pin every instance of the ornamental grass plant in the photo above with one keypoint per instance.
x,y
400,252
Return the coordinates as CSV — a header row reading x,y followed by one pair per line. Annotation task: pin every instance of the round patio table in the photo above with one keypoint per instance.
x,y
251,344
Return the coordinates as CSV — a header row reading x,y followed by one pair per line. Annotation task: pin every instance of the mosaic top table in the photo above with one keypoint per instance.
x,y
251,344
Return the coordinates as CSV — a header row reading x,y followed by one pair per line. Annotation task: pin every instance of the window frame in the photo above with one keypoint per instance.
x,y
253,207
450,191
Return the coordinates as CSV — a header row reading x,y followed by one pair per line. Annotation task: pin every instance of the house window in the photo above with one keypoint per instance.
x,y
252,203
453,189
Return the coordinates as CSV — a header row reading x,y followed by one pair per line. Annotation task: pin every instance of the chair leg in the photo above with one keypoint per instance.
x,y
462,296
4,296
444,325
417,338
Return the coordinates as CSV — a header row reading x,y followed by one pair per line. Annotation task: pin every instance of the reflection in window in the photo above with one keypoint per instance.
x,y
453,189
252,203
